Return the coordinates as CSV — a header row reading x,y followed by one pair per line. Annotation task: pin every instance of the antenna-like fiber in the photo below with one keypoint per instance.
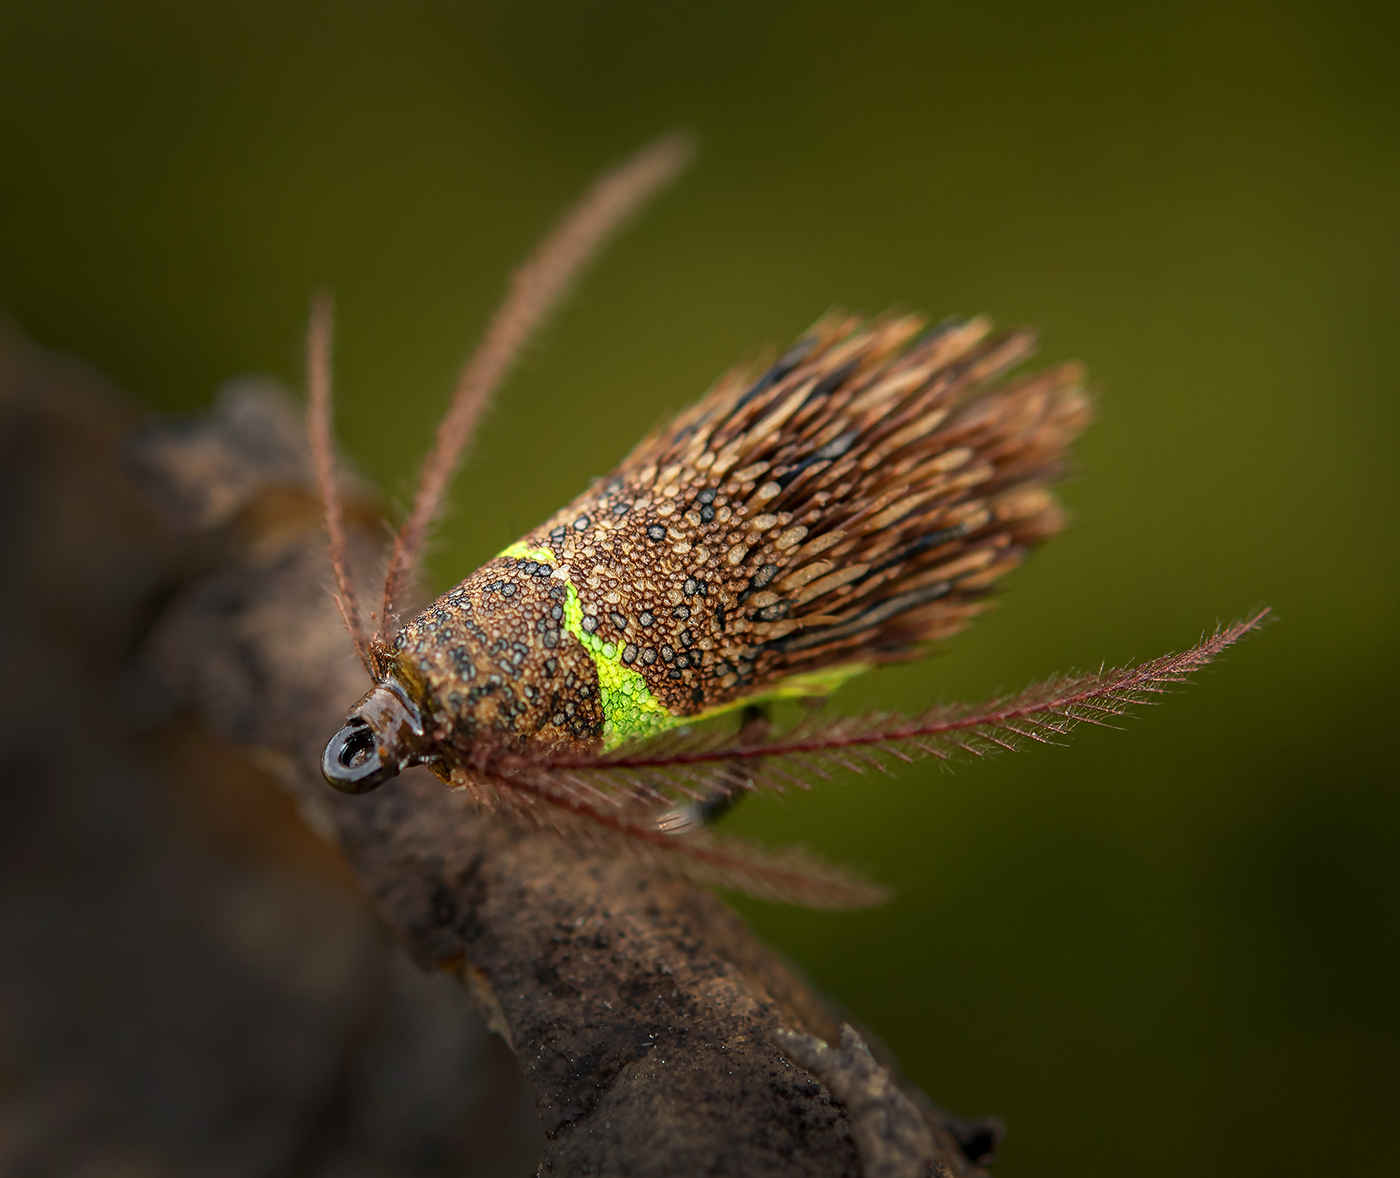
x,y
535,289
699,764
318,428
625,793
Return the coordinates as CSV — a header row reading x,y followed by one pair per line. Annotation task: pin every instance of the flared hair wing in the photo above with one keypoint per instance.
x,y
850,505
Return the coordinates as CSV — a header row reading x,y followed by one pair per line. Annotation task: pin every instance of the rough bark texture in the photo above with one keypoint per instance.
x,y
176,639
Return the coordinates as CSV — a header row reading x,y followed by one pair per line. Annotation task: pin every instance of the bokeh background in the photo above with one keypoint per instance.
x,y
1169,947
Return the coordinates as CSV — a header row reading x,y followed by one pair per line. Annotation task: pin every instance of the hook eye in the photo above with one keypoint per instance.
x,y
352,762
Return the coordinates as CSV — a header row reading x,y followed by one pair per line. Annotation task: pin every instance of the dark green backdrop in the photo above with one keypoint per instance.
x,y
1164,950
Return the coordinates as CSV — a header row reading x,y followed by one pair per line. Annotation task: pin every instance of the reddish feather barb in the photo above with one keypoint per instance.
x,y
616,799
1044,711
318,426
535,289
789,875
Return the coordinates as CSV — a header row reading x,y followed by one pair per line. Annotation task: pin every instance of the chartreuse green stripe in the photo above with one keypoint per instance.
x,y
630,711
629,708
522,551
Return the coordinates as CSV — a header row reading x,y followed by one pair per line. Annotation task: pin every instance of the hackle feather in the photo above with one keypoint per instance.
x,y
626,793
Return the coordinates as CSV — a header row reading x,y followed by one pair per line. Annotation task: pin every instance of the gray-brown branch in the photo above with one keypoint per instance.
x,y
658,1035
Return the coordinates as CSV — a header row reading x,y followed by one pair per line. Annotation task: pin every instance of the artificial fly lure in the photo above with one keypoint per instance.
x,y
845,507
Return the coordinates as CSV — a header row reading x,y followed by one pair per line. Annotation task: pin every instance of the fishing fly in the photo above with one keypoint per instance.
x,y
609,674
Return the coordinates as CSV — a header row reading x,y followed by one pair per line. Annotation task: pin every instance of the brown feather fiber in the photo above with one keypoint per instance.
x,y
612,823
696,762
849,505
623,797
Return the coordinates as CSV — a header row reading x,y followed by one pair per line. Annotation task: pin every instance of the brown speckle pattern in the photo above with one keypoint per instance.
x,y
857,500
492,656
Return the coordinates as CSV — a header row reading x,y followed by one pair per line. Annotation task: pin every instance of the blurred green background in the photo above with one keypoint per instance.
x,y
1165,949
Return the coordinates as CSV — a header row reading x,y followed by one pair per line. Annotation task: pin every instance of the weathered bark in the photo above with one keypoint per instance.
x,y
657,1034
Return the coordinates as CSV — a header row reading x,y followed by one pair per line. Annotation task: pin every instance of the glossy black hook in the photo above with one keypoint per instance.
x,y
352,761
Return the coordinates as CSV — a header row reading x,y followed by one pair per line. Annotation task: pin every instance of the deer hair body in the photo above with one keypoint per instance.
x,y
855,501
